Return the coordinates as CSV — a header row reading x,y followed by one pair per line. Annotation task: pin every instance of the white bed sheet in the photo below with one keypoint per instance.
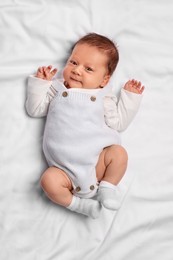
x,y
40,32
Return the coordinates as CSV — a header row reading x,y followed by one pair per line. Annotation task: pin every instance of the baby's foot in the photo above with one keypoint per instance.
x,y
88,207
109,195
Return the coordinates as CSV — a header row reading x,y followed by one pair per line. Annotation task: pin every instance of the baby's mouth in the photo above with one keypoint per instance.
x,y
76,80
70,84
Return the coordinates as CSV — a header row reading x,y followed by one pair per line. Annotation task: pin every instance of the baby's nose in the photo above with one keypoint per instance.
x,y
77,70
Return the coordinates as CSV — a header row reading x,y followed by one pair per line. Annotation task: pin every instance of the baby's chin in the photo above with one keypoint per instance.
x,y
68,85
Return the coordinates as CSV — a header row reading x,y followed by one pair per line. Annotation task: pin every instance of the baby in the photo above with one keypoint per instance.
x,y
81,139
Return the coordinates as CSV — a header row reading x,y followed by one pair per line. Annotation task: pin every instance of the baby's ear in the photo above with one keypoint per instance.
x,y
105,80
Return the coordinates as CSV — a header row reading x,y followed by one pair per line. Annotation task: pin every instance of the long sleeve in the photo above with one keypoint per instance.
x,y
39,95
120,113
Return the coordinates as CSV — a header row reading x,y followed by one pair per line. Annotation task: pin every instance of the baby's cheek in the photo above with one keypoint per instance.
x,y
64,73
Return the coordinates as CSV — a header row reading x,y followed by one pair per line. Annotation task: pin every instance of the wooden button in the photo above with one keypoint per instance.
x,y
92,187
78,189
93,98
65,94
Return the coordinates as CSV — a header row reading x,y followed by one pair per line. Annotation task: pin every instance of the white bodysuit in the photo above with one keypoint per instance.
x,y
75,132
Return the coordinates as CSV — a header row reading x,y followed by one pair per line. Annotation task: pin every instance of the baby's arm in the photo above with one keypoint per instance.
x,y
40,92
120,113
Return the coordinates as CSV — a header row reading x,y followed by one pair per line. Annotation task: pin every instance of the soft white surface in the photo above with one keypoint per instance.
x,y
40,32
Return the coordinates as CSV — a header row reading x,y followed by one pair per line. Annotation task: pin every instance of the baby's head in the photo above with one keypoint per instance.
x,y
92,62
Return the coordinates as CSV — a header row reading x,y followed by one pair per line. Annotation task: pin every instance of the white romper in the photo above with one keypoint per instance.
x,y
79,125
75,135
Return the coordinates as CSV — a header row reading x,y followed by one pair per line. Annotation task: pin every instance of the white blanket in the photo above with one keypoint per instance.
x,y
40,32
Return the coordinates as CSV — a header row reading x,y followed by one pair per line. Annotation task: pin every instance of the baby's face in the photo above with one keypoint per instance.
x,y
86,68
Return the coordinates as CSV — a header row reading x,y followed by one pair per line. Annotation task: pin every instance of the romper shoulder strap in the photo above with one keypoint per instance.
x,y
58,85
107,89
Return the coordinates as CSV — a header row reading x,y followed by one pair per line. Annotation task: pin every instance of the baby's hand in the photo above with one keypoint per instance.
x,y
46,72
134,86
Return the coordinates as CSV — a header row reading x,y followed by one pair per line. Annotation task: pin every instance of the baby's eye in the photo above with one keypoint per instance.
x,y
73,62
88,69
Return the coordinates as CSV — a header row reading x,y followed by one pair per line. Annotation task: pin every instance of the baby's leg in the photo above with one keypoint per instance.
x,y
58,187
110,169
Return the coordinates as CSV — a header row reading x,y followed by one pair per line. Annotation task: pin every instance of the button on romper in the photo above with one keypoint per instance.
x,y
75,135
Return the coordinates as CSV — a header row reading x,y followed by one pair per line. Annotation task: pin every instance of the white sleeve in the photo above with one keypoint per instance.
x,y
120,113
39,95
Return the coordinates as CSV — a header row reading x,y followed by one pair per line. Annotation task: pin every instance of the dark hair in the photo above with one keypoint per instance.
x,y
105,45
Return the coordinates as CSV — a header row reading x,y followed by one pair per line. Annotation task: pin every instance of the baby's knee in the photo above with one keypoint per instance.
x,y
49,182
46,182
118,152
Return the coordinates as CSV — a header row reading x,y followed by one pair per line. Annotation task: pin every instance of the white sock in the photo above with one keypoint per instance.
x,y
107,195
88,207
